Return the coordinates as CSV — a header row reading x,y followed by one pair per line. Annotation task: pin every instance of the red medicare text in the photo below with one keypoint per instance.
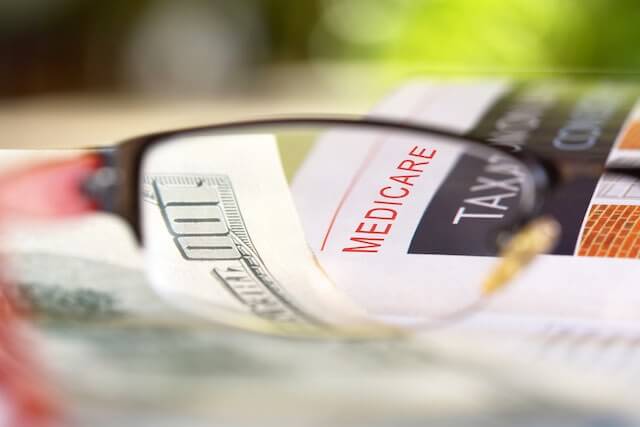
x,y
377,222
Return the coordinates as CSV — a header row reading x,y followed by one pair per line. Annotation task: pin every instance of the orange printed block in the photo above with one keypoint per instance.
x,y
611,231
631,138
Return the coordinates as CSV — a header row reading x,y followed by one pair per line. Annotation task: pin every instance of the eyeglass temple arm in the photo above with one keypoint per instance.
x,y
630,172
53,189
96,181
566,170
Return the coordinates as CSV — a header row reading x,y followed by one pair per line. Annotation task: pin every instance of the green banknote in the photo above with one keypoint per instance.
x,y
120,356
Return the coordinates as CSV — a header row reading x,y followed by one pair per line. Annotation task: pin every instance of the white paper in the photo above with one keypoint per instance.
x,y
397,286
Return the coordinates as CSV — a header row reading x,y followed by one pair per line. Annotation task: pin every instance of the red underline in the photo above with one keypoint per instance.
x,y
373,150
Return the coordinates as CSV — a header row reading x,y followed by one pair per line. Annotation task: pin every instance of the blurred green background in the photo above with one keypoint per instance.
x,y
200,46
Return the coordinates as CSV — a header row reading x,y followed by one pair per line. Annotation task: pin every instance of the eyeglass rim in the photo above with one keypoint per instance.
x,y
124,160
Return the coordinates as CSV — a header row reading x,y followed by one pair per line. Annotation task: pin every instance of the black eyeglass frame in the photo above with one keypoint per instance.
x,y
118,193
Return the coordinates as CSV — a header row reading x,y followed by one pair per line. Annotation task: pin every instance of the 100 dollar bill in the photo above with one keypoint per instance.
x,y
221,236
202,215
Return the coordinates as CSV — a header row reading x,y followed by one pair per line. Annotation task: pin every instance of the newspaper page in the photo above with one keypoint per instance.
x,y
438,236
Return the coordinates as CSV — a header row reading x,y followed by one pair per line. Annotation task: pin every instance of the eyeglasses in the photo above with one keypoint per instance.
x,y
218,238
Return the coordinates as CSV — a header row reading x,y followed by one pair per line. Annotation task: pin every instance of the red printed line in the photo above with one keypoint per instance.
x,y
373,150
370,156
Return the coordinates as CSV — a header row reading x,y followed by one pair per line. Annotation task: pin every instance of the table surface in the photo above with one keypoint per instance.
x,y
72,121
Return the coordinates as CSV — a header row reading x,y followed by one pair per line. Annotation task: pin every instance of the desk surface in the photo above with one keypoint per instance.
x,y
82,121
